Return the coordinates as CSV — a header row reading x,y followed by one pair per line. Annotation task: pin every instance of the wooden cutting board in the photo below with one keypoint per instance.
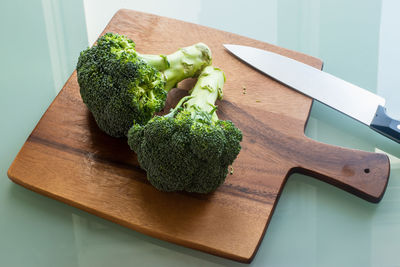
x,y
68,158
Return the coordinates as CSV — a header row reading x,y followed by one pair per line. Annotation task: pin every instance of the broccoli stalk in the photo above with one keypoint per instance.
x,y
122,87
185,63
189,149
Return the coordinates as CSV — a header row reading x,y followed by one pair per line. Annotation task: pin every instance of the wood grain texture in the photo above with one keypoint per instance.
x,y
68,158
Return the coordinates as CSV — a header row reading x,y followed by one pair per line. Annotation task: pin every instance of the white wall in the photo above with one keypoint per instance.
x,y
232,16
389,57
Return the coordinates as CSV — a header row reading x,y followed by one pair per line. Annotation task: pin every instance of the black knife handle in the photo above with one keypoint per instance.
x,y
385,125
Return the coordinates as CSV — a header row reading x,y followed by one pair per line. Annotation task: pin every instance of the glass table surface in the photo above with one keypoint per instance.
x,y
314,224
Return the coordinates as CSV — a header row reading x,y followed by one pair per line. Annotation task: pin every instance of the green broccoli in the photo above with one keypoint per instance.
x,y
189,149
122,87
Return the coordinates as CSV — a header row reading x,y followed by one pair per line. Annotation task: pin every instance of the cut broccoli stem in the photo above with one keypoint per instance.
x,y
206,91
187,62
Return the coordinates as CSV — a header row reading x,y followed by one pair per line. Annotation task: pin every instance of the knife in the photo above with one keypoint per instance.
x,y
343,96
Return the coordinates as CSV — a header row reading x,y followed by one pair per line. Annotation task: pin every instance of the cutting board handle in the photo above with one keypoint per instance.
x,y
364,174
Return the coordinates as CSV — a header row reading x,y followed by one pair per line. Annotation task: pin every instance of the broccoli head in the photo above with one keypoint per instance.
x,y
122,87
189,149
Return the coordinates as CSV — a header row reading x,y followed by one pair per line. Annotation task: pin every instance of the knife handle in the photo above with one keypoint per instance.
x,y
361,173
385,125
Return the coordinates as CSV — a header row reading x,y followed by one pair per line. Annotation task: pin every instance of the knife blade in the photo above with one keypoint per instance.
x,y
343,96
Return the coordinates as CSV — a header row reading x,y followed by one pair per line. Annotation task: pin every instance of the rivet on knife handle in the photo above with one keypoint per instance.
x,y
385,125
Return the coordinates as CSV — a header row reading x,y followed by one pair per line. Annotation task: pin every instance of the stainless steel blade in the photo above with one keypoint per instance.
x,y
328,89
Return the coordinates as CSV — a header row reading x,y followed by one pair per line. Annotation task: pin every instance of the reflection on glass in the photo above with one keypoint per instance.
x,y
315,224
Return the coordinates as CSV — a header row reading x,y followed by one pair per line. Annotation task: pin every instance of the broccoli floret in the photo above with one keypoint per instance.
x,y
189,149
122,87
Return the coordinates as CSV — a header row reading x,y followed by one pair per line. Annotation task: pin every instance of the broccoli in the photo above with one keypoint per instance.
x,y
189,149
122,87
